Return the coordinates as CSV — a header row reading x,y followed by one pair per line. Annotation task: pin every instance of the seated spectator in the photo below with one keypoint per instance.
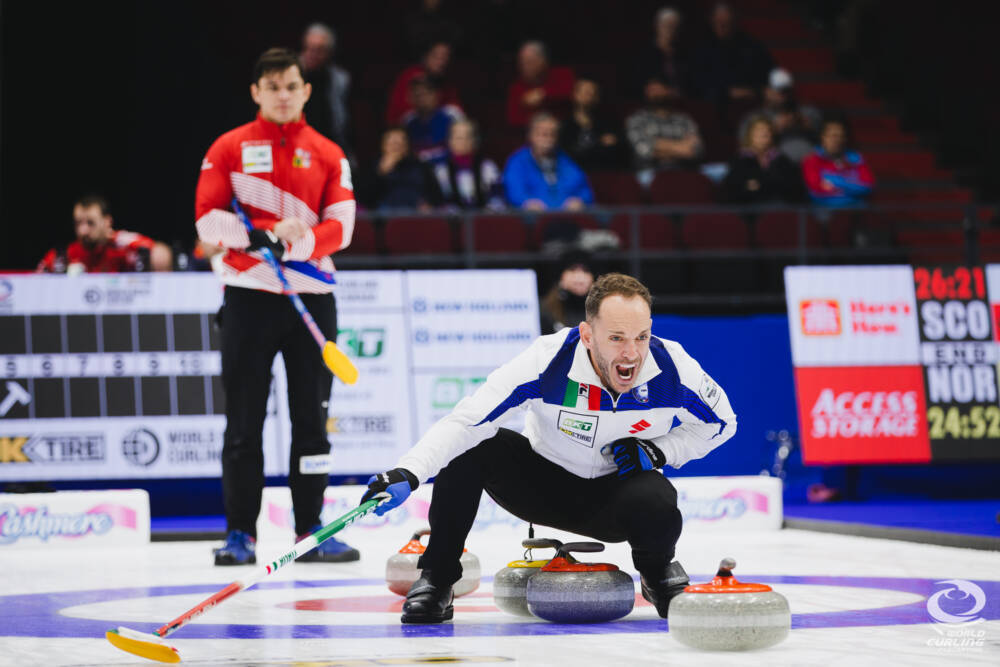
x,y
565,304
99,248
795,125
834,175
538,87
730,64
661,136
465,179
540,176
399,180
666,59
589,135
428,122
761,173
326,108
434,66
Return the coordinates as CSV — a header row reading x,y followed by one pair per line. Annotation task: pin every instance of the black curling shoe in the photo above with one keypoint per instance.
x,y
427,603
661,589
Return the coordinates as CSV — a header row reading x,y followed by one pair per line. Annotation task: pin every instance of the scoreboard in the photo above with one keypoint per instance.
x,y
896,364
118,376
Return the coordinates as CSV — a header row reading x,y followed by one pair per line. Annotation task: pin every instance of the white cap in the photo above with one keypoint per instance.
x,y
780,78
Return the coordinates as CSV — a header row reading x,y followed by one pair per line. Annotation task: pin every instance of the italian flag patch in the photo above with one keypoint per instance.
x,y
582,396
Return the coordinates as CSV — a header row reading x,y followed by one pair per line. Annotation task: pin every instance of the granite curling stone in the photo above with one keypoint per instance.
x,y
401,569
728,615
568,591
510,585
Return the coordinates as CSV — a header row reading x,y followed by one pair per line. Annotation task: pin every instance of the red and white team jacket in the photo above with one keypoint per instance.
x,y
276,172
120,254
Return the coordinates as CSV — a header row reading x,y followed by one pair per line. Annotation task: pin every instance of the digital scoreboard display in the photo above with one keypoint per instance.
x,y
896,364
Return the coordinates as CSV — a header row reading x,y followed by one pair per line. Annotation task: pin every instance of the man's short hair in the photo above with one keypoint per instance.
x,y
425,82
323,29
539,46
89,200
276,60
540,117
611,284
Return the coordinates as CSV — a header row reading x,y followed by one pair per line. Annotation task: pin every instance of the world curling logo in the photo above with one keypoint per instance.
x,y
955,608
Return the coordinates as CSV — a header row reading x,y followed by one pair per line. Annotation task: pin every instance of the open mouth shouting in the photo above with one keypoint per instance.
x,y
625,373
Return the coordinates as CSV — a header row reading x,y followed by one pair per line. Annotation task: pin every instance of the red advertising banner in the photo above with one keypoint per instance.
x,y
870,414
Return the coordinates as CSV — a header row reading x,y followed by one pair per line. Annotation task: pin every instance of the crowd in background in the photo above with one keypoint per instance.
x,y
431,150
557,131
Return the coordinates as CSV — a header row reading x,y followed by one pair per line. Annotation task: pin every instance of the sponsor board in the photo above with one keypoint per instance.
x,y
147,339
852,316
73,519
706,503
862,415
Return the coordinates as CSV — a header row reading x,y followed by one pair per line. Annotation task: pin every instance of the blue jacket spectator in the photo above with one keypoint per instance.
x,y
540,176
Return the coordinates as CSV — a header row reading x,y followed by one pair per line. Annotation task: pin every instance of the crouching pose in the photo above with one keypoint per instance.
x,y
607,404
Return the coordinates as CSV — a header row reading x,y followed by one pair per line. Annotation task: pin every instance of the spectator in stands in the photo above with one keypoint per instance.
x,y
538,87
434,66
730,64
431,23
465,179
100,248
589,136
833,174
666,59
565,304
540,176
327,105
761,173
795,125
427,124
661,136
399,180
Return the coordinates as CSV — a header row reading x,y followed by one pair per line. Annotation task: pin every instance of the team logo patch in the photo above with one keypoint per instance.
x,y
257,159
709,391
578,428
302,158
641,393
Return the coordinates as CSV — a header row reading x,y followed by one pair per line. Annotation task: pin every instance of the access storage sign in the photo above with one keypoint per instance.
x,y
896,364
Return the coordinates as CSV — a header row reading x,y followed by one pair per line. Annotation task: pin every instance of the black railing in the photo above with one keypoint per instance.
x,y
673,248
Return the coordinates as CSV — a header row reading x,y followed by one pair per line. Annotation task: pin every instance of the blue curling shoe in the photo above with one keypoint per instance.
x,y
331,551
239,549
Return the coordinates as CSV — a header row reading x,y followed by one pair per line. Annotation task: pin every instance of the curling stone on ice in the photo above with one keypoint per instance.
x,y
568,591
510,585
401,569
728,615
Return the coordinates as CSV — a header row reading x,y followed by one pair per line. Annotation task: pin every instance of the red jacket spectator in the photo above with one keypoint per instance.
x,y
120,254
538,86
834,175
434,66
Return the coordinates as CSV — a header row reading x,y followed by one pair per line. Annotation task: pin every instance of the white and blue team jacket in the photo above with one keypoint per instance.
x,y
570,416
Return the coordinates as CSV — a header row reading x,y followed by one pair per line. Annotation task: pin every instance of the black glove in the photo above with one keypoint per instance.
x,y
265,238
633,455
397,482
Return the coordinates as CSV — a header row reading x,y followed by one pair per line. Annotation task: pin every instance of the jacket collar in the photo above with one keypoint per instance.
x,y
278,131
582,370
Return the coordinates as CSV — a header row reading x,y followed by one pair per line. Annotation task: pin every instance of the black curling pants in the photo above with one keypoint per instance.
x,y
256,325
641,510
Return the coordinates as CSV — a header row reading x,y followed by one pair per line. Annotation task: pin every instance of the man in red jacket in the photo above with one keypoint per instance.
x,y
100,248
295,185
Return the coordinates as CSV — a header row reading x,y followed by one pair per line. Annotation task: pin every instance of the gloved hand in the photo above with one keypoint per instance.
x,y
398,483
265,238
632,455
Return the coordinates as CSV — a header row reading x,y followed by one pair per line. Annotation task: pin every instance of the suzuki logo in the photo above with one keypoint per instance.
x,y
640,426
